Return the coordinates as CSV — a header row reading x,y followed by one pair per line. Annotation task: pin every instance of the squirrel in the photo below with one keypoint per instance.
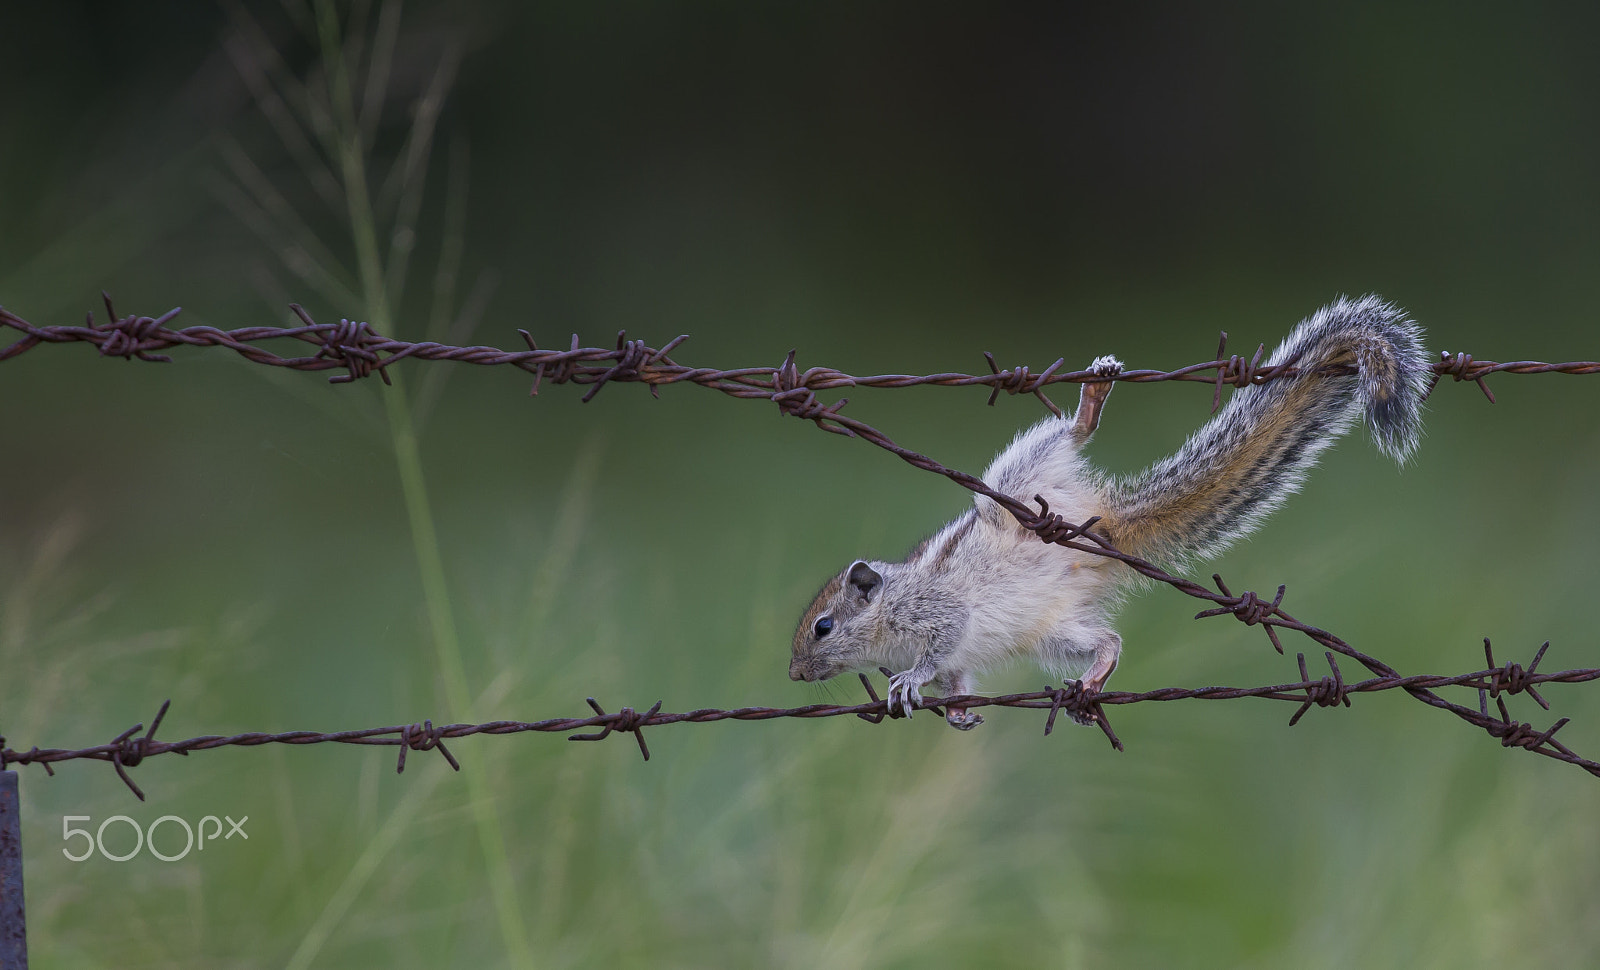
x,y
983,589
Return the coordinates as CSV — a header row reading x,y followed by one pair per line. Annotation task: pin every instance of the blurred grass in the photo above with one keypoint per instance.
x,y
871,192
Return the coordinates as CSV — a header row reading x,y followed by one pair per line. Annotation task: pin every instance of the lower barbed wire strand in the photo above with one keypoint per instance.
x,y
128,751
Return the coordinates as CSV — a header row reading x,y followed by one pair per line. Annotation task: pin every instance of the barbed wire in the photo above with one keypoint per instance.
x,y
129,749
360,351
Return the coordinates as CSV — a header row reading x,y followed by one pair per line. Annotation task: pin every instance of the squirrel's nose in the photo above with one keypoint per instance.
x,y
795,673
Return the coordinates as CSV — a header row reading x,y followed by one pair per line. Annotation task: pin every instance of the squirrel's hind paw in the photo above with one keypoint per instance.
x,y
1106,366
962,719
1082,708
1078,717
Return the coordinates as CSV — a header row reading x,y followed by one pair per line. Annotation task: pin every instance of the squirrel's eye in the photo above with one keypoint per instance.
x,y
823,626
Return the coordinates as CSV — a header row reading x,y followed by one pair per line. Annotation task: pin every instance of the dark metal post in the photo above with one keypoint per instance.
x,y
13,927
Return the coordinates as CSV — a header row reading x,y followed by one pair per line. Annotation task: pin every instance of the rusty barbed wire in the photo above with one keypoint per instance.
x,y
360,351
129,749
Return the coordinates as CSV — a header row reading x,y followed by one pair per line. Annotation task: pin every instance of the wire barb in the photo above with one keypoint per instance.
x,y
1017,381
422,737
874,717
1324,693
128,751
626,719
1462,368
1512,678
1083,706
1248,607
1051,527
1519,734
1234,370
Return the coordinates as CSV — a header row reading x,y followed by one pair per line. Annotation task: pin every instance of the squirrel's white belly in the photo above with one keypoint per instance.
x,y
1035,595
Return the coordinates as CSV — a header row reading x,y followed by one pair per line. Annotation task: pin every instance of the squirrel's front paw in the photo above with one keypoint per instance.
x,y
962,719
903,692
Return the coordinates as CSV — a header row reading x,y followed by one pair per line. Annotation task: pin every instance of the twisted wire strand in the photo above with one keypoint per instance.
x,y
359,351
129,748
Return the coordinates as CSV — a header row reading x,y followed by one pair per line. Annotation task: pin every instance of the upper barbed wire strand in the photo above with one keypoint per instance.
x,y
632,361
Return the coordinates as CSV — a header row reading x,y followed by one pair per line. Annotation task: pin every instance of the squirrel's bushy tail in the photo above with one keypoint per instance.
x,y
1256,451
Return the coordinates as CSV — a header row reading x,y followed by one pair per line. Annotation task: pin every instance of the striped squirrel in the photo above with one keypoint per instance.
x,y
983,589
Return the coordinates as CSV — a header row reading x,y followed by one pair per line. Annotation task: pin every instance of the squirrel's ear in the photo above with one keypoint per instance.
x,y
865,579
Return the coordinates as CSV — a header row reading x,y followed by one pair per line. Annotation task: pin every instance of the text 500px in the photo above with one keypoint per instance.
x,y
145,838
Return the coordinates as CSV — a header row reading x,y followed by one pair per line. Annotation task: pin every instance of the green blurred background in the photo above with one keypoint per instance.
x,y
887,188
